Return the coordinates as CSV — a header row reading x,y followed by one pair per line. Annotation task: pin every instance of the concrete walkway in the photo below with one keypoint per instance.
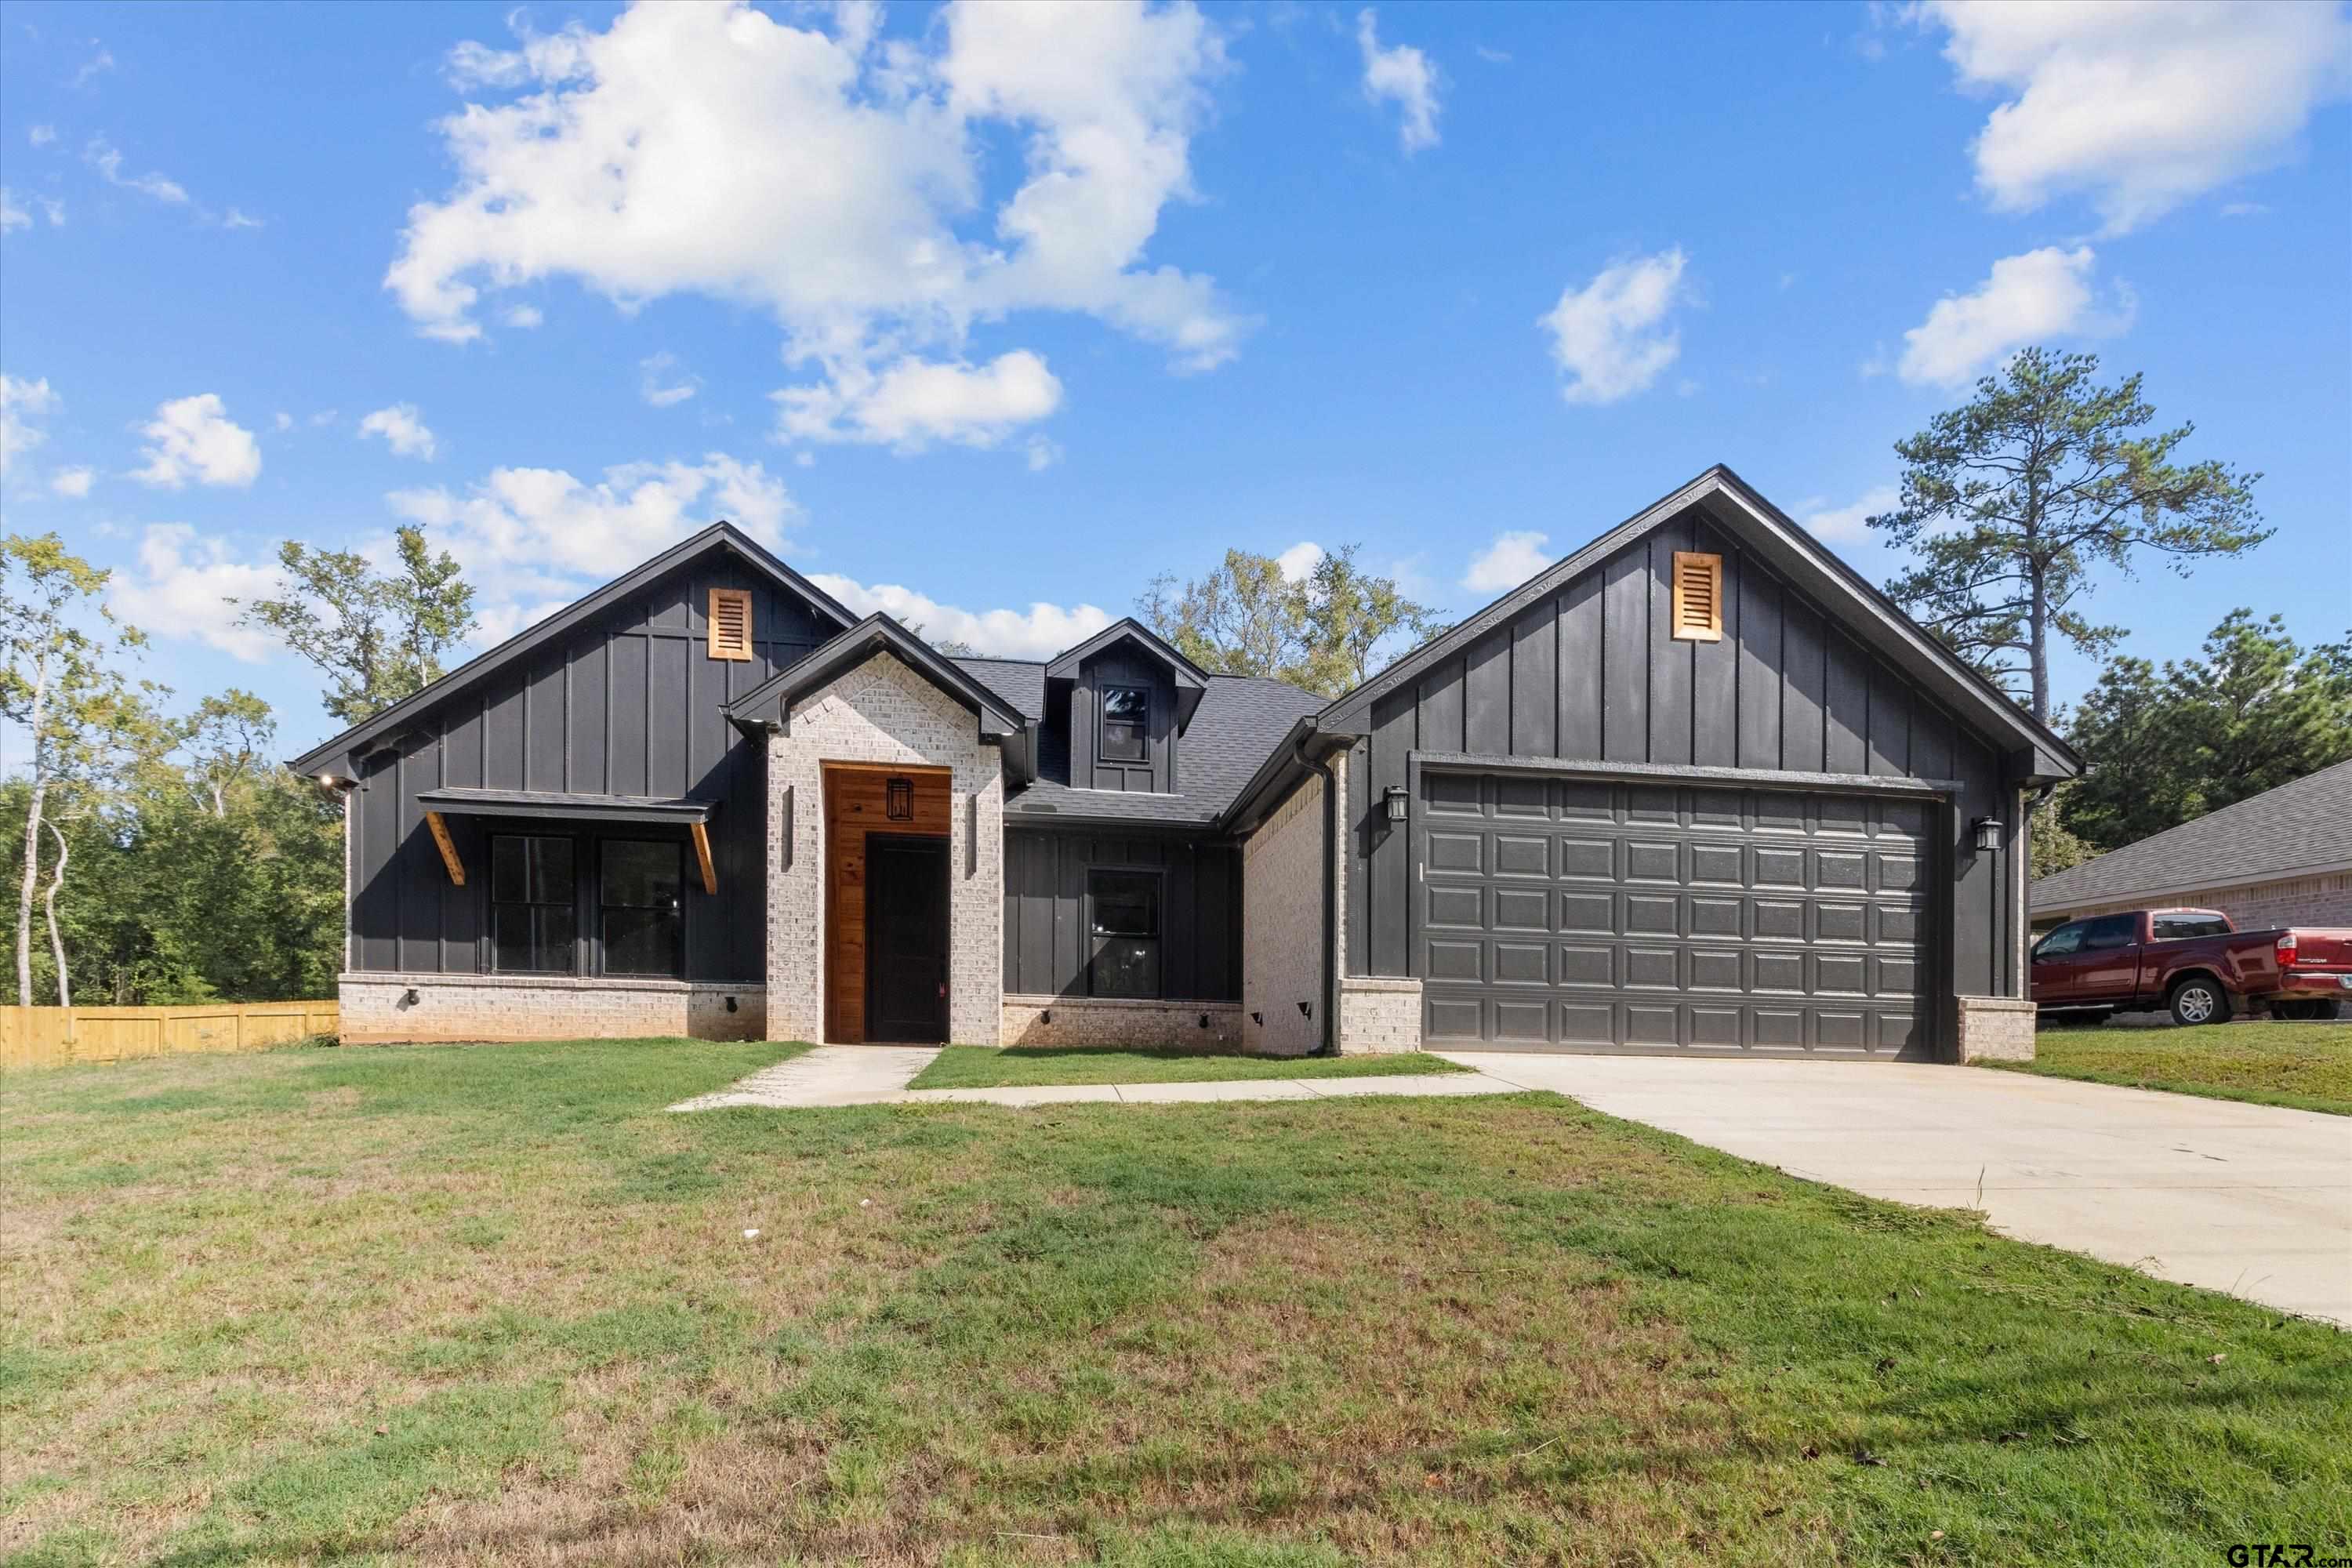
x,y
878,1075
2249,1199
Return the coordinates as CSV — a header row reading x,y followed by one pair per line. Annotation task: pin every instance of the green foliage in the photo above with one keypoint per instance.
x,y
2012,502
1324,633
2257,710
2049,845
2302,1066
377,636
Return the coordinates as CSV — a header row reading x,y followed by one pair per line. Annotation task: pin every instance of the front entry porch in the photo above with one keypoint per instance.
x,y
887,929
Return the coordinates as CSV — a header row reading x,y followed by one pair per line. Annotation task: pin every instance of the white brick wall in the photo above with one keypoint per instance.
x,y
1282,927
375,1009
1104,1021
1378,1014
1996,1030
882,711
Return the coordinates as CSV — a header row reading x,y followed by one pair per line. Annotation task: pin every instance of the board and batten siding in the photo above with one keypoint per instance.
x,y
629,703
1122,667
1045,921
1594,674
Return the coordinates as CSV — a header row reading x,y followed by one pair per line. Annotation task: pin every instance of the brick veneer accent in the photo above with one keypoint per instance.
x,y
2321,900
1136,1025
1996,1030
451,1007
1282,927
1378,1014
882,711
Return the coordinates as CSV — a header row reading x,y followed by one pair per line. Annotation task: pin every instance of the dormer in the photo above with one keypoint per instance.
x,y
1131,697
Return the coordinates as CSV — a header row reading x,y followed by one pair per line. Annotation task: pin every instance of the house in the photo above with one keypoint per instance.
x,y
1698,787
2279,858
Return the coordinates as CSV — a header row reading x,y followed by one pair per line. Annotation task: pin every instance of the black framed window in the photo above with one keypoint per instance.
x,y
641,899
534,918
1126,724
2177,928
1126,920
2109,932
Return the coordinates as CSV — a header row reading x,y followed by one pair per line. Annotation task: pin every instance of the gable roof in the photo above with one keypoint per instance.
x,y
1192,681
771,701
2299,828
1020,681
1789,549
724,536
1241,720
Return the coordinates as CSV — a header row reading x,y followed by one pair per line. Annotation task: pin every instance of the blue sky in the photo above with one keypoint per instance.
x,y
988,315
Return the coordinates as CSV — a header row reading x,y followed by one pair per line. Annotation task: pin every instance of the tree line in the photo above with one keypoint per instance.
x,y
166,857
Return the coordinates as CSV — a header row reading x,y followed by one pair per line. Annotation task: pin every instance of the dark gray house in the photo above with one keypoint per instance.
x,y
1696,788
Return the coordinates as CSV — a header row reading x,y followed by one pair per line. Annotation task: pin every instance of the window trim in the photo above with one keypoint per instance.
x,y
733,643
603,948
1142,727
1698,575
491,902
1158,876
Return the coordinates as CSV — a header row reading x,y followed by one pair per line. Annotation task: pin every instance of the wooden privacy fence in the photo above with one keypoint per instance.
x,y
53,1037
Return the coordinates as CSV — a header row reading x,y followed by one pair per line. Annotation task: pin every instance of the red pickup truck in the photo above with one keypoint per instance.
x,y
2192,963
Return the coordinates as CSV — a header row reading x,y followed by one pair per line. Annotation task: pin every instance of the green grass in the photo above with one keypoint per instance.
x,y
2308,1066
991,1066
493,1304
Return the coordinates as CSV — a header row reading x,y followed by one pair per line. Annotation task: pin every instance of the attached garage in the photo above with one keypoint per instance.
x,y
1697,789
1638,915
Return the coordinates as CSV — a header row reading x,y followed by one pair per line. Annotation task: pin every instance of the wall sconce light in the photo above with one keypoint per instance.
x,y
1395,796
1306,1009
899,802
1047,1017
1204,1020
1258,1018
730,1004
408,998
1987,830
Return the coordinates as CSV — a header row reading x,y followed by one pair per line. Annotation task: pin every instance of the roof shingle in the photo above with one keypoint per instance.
x,y
2297,828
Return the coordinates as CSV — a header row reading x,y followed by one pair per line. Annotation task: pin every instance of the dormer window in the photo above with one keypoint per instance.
x,y
1126,724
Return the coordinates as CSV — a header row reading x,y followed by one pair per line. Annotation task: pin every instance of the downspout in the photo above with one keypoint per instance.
x,y
1331,1046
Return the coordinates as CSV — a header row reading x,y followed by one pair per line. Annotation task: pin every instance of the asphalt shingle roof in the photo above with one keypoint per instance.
x,y
1240,721
2296,827
1020,681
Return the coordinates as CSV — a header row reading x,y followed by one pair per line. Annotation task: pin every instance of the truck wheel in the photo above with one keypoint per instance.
x,y
2197,999
2318,1011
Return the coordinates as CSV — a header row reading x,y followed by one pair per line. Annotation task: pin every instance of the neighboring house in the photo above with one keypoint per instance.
x,y
2283,857
1696,788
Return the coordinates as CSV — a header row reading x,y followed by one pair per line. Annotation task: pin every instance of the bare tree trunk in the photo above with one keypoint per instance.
x,y
33,831
49,907
2040,616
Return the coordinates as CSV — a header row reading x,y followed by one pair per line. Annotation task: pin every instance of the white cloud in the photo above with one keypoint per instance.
x,y
183,586
833,181
402,428
523,317
1299,562
284,421
193,437
1511,559
102,156
1403,76
1039,632
15,213
1042,454
101,62
1610,337
1848,524
2043,293
72,483
236,219
21,404
2244,209
41,135
539,534
2143,106
1492,57
663,382
913,403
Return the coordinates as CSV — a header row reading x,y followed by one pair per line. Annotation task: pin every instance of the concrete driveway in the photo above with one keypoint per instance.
x,y
2243,1198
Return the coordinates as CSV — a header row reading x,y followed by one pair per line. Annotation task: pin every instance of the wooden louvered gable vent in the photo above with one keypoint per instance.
x,y
730,623
1698,596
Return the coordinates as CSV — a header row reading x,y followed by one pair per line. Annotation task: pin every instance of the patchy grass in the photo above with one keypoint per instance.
x,y
493,1305
992,1067
2306,1067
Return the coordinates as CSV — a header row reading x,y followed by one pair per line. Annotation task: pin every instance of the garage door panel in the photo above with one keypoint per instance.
x,y
1663,917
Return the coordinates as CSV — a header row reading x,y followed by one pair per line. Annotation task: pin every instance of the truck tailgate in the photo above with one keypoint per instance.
x,y
2321,949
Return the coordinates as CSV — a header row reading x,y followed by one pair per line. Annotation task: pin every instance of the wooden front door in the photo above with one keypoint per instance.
x,y
907,939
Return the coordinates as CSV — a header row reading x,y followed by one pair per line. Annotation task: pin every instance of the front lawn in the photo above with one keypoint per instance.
x,y
2308,1066
494,1304
992,1067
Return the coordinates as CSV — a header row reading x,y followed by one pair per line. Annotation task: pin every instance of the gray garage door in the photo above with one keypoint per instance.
x,y
1610,916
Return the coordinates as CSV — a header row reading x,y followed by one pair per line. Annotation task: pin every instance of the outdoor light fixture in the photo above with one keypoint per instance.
x,y
900,804
1258,1018
1204,1020
1395,796
1306,1009
1988,835
730,1004
1047,1017
408,998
